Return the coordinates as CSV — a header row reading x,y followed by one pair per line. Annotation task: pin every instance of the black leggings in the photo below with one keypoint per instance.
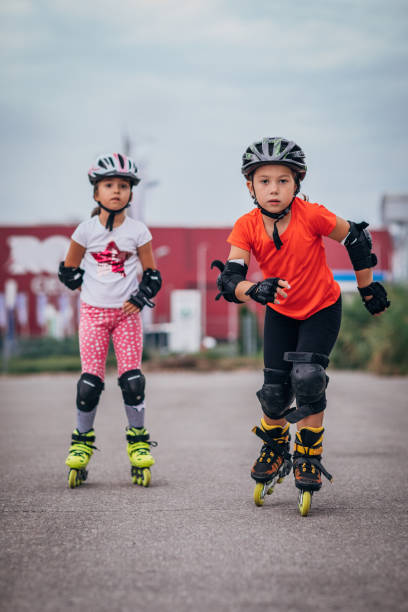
x,y
317,334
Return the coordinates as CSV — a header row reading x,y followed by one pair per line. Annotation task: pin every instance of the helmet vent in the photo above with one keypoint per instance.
x,y
274,151
111,165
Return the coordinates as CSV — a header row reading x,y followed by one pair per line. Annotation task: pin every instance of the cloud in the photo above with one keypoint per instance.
x,y
193,83
16,8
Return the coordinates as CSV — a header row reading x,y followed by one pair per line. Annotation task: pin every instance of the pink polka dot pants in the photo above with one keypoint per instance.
x,y
96,326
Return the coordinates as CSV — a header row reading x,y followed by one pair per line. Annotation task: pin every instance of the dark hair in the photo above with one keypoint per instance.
x,y
96,211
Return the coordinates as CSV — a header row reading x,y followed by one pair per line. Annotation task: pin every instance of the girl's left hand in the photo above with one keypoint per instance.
x,y
374,298
129,308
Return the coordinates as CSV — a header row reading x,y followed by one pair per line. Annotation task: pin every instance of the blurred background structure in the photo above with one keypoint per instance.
x,y
39,304
184,88
394,214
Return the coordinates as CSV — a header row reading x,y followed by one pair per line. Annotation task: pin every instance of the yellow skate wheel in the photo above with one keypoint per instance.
x,y
72,479
259,494
141,476
270,491
280,479
304,503
146,477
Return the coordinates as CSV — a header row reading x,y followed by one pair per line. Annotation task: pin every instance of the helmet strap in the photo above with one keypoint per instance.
x,y
112,213
276,238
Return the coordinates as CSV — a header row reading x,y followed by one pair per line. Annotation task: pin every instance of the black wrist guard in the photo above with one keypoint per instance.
x,y
141,300
151,282
358,244
378,302
265,291
232,273
70,277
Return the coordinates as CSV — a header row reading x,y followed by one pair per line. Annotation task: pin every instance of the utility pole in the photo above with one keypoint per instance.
x,y
137,206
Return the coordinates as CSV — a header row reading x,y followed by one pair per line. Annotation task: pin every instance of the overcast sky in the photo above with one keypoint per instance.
x,y
193,83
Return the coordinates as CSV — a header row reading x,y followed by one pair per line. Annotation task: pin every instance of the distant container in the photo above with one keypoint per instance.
x,y
394,209
185,306
394,213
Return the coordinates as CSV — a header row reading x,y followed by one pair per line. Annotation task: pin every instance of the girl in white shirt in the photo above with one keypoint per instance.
x,y
110,246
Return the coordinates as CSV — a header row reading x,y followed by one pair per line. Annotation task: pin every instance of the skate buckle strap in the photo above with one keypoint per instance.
x,y
80,449
277,448
81,439
142,438
140,450
304,450
312,461
133,438
140,444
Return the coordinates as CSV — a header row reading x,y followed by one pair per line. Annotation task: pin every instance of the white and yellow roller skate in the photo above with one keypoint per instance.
x,y
274,461
80,452
141,460
307,466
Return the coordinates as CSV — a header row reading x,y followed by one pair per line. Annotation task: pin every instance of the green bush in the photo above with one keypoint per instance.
x,y
34,365
378,344
45,347
375,343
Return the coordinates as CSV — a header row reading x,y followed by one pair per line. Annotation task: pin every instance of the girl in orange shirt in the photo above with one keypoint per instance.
x,y
303,307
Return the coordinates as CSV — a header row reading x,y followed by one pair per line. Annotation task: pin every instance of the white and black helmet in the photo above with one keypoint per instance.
x,y
274,150
113,164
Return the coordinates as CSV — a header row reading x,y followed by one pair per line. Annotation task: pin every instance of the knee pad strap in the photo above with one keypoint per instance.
x,y
89,389
133,385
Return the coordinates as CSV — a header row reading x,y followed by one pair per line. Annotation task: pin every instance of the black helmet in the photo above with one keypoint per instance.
x,y
274,151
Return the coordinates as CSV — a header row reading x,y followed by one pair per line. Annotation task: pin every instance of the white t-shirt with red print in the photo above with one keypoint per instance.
x,y
110,262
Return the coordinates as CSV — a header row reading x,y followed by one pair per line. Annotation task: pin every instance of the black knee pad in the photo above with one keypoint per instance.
x,y
309,382
276,393
132,384
89,389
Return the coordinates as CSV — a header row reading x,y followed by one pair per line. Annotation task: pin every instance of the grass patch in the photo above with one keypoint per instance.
x,y
376,344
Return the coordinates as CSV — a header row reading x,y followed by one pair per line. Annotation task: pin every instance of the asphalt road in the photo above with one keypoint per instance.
x,y
194,540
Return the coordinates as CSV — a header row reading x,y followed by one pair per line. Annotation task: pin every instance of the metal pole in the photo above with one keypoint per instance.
x,y
202,284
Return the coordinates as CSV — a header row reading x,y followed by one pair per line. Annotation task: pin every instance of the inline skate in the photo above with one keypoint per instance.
x,y
80,452
141,460
273,463
307,466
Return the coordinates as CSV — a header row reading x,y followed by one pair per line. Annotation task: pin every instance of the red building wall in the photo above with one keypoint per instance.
x,y
31,256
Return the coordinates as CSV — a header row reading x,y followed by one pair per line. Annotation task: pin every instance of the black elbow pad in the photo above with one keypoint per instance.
x,y
232,273
358,244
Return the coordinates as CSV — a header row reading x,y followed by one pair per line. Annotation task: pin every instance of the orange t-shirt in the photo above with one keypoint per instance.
x,y
301,260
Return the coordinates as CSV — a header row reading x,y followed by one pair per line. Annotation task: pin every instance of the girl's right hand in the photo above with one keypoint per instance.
x,y
268,290
129,308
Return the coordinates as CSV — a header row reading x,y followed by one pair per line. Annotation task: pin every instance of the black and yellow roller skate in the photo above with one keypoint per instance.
x,y
274,461
307,466
141,460
80,452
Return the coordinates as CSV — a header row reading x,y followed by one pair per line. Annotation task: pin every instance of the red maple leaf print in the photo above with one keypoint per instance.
x,y
112,256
